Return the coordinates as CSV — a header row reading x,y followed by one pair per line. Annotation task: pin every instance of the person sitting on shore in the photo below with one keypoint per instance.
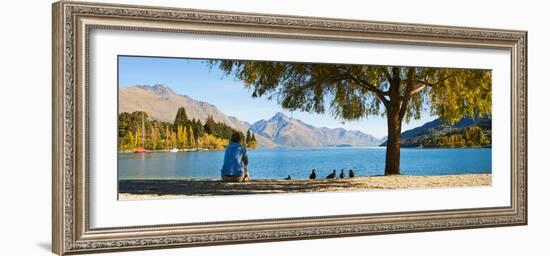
x,y
235,161
342,175
288,178
351,173
313,175
332,175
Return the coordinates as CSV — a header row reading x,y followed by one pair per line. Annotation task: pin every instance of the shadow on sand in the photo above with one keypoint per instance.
x,y
212,187
216,187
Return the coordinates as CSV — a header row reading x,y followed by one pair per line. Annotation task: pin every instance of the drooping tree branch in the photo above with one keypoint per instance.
x,y
425,84
370,87
407,94
418,90
386,73
439,82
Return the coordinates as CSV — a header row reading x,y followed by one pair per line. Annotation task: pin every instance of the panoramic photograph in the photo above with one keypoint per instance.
x,y
212,127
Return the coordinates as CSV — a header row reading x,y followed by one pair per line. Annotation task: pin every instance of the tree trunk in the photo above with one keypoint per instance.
x,y
393,144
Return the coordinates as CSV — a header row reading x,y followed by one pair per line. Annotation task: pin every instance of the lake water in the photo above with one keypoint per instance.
x,y
277,163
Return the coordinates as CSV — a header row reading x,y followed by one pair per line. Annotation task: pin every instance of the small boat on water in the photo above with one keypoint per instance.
x,y
174,150
140,150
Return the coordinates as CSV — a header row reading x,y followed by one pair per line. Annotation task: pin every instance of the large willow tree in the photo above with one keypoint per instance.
x,y
354,92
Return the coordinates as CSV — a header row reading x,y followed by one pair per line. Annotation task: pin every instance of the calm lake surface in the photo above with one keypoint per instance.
x,y
277,163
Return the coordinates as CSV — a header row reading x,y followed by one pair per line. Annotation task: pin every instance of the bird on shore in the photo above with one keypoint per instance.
x,y
313,175
351,173
288,178
342,175
332,175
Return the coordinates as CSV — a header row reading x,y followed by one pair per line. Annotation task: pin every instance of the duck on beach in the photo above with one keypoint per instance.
x,y
313,175
288,178
351,173
332,175
342,175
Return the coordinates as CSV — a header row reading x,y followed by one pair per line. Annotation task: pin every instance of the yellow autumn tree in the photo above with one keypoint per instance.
x,y
181,136
191,138
138,138
154,137
212,142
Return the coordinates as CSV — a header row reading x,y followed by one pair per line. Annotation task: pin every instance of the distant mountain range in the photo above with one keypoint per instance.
x,y
413,137
161,103
284,130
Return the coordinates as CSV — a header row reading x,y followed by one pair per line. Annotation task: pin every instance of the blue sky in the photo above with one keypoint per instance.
x,y
196,79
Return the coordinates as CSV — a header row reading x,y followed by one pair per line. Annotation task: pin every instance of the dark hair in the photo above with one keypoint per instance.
x,y
237,137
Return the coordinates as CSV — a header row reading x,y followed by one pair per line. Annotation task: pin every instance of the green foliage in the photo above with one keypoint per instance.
x,y
252,143
130,122
218,129
462,93
354,92
182,134
197,127
469,137
181,117
250,139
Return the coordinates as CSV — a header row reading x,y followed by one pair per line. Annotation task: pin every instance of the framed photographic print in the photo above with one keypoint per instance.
x,y
178,127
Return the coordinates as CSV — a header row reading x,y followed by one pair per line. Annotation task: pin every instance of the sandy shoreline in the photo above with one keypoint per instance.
x,y
142,189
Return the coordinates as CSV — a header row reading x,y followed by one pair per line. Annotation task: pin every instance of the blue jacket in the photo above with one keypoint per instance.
x,y
234,160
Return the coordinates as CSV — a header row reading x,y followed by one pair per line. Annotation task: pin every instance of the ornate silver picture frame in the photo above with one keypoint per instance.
x,y
72,24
